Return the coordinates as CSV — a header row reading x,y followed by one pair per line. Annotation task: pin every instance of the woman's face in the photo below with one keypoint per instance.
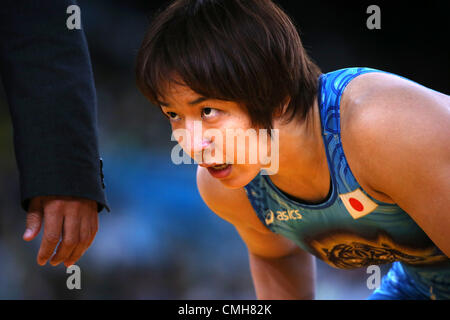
x,y
212,132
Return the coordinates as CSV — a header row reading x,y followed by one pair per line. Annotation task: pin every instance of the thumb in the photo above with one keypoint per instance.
x,y
34,219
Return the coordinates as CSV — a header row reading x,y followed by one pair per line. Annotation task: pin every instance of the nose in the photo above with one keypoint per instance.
x,y
199,147
198,142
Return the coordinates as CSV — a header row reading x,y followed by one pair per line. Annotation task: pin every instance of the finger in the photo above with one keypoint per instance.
x,y
85,240
34,220
93,227
70,237
53,222
33,225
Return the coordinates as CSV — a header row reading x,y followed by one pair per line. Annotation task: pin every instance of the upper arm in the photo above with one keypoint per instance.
x,y
401,134
233,206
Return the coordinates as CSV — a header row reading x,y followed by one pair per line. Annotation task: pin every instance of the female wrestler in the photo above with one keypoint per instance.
x,y
364,158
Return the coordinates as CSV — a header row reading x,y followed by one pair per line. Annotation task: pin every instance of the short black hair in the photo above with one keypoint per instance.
x,y
246,51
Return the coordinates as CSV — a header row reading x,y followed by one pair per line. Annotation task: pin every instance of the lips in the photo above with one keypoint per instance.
x,y
220,171
214,165
220,166
204,165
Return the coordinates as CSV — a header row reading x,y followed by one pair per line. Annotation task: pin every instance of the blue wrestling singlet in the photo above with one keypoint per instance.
x,y
351,229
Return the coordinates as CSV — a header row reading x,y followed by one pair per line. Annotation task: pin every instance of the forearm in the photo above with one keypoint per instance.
x,y
49,84
288,278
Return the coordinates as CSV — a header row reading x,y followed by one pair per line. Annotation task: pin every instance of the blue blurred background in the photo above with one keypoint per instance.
x,y
160,241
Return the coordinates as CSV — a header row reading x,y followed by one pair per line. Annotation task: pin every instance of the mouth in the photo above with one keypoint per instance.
x,y
219,170
214,165
220,166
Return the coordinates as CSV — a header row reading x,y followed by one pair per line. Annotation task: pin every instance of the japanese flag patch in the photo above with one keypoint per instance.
x,y
357,203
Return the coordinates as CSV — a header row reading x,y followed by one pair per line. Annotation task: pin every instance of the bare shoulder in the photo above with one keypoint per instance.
x,y
384,88
387,118
233,206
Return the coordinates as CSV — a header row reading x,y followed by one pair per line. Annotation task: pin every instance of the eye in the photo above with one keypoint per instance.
x,y
172,116
209,112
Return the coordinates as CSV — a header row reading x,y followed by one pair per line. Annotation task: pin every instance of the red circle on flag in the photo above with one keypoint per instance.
x,y
356,204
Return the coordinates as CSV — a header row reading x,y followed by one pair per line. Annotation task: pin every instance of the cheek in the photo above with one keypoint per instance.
x,y
178,125
247,147
178,134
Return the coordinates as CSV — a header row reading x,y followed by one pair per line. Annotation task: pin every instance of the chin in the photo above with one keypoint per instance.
x,y
240,176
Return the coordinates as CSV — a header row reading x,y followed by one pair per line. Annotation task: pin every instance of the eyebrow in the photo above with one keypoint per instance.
x,y
196,101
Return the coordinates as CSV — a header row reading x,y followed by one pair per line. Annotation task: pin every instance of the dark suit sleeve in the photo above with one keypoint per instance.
x,y
49,84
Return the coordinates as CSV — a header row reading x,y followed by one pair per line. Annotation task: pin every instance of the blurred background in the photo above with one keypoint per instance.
x,y
160,241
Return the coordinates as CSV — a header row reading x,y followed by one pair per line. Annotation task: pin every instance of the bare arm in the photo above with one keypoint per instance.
x,y
284,278
400,132
279,268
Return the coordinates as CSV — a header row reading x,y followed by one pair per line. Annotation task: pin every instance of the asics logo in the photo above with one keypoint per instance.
x,y
283,215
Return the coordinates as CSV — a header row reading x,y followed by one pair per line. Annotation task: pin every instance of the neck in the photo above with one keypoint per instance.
x,y
303,164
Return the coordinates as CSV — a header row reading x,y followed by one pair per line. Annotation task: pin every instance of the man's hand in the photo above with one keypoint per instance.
x,y
70,219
